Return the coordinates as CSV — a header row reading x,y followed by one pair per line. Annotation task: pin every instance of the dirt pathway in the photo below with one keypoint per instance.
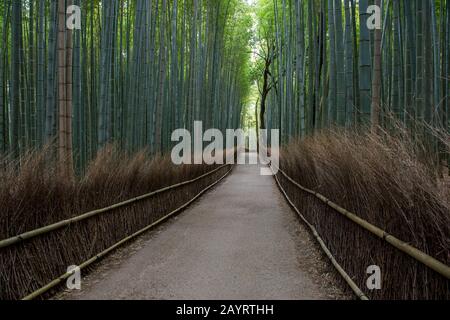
x,y
239,241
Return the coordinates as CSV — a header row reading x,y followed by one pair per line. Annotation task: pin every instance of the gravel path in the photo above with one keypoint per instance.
x,y
239,241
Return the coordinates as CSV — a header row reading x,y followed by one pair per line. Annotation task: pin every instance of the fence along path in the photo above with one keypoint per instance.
x,y
240,241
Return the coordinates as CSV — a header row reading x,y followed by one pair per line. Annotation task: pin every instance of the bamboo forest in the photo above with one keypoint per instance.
x,y
349,104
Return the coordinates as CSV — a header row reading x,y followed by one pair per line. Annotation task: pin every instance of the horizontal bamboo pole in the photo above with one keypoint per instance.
x,y
63,223
359,293
97,257
415,253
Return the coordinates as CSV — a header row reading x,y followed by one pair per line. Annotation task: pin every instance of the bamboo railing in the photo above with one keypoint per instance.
x,y
358,292
64,223
97,257
404,247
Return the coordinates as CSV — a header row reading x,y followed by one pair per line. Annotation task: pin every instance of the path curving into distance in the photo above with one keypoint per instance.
x,y
241,240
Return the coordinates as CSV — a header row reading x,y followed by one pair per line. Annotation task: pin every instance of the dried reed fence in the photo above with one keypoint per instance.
x,y
380,178
36,196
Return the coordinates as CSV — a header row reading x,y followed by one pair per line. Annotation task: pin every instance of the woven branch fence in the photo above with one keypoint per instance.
x,y
406,272
30,261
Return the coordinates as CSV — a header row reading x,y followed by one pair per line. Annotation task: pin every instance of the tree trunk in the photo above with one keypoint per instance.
x,y
16,30
376,81
364,64
64,93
